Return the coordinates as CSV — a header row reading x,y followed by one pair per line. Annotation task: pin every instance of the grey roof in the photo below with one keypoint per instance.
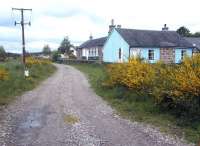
x,y
94,43
194,40
150,38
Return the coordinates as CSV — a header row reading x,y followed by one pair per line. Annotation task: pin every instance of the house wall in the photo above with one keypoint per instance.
x,y
111,48
84,53
144,53
79,53
196,51
178,53
100,52
167,55
135,52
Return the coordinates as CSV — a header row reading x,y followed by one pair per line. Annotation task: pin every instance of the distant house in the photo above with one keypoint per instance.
x,y
196,43
92,49
151,45
73,50
72,55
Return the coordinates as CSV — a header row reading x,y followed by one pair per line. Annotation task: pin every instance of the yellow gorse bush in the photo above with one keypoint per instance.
x,y
180,83
136,74
36,61
188,76
3,74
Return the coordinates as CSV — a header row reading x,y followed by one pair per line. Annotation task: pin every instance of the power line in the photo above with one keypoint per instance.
x,y
22,23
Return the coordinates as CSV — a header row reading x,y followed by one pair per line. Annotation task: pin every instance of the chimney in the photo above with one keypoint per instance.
x,y
165,28
119,26
112,26
91,37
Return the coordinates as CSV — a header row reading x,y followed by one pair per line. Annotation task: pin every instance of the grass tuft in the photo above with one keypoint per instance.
x,y
71,119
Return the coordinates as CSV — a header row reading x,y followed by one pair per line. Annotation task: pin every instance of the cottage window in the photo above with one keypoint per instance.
x,y
183,54
135,52
151,54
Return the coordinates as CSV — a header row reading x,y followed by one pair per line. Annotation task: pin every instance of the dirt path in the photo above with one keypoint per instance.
x,y
64,111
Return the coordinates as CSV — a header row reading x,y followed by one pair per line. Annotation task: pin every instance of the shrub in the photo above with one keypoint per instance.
x,y
3,74
178,87
30,61
2,54
136,74
175,87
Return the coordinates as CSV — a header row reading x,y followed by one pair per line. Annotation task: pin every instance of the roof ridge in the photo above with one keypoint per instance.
x,y
96,39
144,30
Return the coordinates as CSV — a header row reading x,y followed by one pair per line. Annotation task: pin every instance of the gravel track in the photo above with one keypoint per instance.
x,y
64,111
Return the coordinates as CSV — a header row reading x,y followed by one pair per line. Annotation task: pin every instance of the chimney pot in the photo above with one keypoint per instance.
x,y
91,37
112,22
165,28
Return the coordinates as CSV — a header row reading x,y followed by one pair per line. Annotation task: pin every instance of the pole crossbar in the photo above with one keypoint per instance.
x,y
21,9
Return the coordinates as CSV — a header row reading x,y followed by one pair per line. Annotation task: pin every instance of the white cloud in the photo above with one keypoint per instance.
x,y
52,20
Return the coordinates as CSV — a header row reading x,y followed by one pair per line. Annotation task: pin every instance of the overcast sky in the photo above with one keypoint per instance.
x,y
54,19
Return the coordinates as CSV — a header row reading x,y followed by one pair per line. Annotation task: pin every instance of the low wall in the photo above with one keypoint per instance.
x,y
77,61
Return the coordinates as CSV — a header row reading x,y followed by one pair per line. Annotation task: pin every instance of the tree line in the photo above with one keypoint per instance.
x,y
185,32
64,48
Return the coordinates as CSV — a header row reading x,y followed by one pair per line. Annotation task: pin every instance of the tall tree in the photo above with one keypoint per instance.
x,y
183,31
46,50
2,53
65,46
55,55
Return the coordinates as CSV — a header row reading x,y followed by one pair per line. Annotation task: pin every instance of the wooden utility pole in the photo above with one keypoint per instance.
x,y
22,23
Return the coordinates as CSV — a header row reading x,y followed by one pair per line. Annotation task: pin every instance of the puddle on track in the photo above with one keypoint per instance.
x,y
34,120
28,126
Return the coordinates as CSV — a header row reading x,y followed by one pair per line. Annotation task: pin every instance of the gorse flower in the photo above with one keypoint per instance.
x,y
3,74
32,61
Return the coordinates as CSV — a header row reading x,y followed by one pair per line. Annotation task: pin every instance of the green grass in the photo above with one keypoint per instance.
x,y
138,107
17,84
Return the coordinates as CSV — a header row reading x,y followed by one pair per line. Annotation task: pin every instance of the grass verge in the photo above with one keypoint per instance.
x,y
138,107
17,84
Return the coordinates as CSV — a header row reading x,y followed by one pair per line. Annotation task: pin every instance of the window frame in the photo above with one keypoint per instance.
x,y
151,54
183,53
